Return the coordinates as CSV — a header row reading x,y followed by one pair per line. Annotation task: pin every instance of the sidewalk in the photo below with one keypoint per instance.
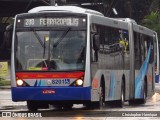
x,y
157,84
157,87
5,87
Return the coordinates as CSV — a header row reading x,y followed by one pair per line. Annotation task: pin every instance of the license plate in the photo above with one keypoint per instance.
x,y
48,91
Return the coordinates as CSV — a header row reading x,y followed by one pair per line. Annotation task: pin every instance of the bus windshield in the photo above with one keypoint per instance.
x,y
50,50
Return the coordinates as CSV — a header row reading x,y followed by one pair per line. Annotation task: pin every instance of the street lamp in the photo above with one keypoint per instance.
x,y
115,11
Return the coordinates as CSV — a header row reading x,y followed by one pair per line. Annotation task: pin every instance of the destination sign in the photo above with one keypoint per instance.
x,y
50,22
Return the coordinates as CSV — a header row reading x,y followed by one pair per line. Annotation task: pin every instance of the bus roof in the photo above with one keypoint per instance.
x,y
73,9
126,20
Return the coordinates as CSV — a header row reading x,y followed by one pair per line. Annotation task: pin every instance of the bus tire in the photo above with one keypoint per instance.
x,y
140,101
31,105
144,99
101,102
132,102
88,105
67,106
120,102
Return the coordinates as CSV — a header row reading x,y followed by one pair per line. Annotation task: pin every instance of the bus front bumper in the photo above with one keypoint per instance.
x,y
51,93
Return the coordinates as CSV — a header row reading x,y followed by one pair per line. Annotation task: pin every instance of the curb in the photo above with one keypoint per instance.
x,y
5,87
157,84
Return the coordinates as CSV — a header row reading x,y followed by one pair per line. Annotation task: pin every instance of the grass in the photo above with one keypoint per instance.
x,y
4,82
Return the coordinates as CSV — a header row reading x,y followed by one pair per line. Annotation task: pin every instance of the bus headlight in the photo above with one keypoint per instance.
x,y
20,82
79,82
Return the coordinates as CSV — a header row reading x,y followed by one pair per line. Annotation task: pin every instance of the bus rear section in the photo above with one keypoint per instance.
x,y
49,59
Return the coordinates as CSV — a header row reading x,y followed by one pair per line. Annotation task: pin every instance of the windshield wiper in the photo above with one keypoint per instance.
x,y
61,38
40,41
38,38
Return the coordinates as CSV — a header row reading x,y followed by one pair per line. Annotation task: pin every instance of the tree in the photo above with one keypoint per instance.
x,y
152,21
155,6
140,8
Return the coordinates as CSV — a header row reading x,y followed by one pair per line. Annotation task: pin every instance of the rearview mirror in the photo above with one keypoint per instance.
x,y
96,42
8,36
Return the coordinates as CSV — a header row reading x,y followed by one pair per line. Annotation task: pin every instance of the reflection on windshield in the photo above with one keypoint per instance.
x,y
63,50
61,38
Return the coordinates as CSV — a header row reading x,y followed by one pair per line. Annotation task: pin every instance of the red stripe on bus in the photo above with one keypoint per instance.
x,y
24,75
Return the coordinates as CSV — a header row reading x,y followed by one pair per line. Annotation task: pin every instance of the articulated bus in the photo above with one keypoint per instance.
x,y
157,62
65,55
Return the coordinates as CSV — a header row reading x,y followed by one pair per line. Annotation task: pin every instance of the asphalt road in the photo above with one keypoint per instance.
x,y
18,110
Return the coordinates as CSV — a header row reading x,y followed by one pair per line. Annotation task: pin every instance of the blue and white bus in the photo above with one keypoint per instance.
x,y
157,63
65,55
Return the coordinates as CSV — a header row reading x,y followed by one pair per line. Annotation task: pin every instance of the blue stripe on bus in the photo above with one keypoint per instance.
x,y
61,93
112,86
157,78
139,81
35,84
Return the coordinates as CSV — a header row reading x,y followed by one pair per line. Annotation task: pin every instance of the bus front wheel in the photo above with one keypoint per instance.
x,y
67,106
31,105
99,104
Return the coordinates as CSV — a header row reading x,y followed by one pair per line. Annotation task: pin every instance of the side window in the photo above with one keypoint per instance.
x,y
139,49
149,46
96,40
113,51
143,46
